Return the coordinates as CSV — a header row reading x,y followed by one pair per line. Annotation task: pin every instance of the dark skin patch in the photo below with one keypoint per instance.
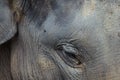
x,y
118,34
44,30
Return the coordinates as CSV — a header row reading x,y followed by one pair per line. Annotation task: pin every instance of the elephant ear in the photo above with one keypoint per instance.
x,y
7,26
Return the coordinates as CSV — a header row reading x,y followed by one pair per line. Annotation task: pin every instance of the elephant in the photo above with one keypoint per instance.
x,y
59,39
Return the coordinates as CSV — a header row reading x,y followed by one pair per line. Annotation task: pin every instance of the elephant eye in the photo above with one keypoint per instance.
x,y
69,54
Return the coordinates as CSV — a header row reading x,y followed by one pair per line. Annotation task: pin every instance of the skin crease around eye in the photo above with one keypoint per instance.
x,y
70,54
70,49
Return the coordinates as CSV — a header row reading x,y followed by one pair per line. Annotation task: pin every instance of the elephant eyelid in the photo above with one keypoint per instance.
x,y
70,49
69,54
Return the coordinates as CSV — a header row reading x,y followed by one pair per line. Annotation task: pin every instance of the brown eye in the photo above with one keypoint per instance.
x,y
69,54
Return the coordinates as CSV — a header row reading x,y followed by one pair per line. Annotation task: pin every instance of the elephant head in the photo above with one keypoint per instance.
x,y
60,39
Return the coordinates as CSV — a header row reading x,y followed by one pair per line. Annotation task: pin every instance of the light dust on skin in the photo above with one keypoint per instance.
x,y
110,27
94,23
45,63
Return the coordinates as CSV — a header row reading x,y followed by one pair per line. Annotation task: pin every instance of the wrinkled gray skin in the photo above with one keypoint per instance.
x,y
29,32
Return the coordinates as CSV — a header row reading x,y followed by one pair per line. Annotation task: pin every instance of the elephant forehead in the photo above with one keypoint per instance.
x,y
91,20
